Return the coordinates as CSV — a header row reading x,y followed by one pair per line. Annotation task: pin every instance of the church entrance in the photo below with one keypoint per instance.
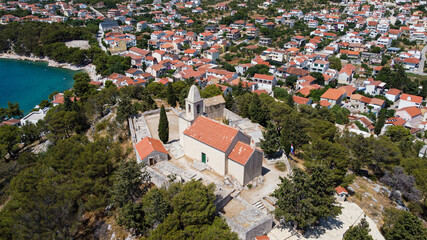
x,y
203,157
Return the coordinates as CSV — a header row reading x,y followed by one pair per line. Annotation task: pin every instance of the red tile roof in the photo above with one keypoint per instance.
x,y
411,98
324,103
149,145
340,190
333,94
264,77
212,133
300,100
412,111
396,121
393,92
241,153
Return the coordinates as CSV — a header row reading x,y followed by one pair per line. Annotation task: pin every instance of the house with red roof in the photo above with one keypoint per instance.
x,y
224,149
341,193
393,94
412,115
334,96
408,100
265,82
150,151
346,74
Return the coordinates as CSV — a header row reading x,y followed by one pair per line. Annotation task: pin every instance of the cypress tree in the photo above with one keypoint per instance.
x,y
255,113
171,95
380,122
163,126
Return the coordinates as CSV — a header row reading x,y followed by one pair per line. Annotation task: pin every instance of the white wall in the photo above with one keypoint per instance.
x,y
215,159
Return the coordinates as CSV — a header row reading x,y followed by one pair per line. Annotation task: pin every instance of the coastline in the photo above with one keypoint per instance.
x,y
89,69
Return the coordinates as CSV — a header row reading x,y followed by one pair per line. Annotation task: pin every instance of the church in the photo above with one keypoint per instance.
x,y
226,150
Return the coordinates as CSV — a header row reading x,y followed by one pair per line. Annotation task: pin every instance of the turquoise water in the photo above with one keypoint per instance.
x,y
29,82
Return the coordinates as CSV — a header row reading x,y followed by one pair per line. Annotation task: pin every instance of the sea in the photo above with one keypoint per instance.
x,y
28,82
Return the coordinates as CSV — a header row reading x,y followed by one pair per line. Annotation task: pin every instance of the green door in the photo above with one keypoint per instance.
x,y
203,157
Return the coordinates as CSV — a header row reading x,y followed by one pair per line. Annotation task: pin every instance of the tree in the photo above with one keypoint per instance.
x,y
402,225
397,133
291,80
270,142
171,95
81,86
358,232
30,133
10,137
380,122
13,110
125,109
211,91
163,128
320,79
255,110
130,182
304,199
335,63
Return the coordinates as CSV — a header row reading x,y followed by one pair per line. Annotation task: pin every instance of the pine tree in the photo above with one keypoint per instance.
x,y
358,232
303,200
290,100
171,96
163,126
255,110
270,143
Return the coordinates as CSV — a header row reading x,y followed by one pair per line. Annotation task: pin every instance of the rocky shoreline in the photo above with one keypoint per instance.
x,y
89,69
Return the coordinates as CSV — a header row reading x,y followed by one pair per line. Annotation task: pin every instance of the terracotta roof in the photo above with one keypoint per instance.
x,y
297,71
412,111
411,98
349,89
300,100
333,94
241,153
377,101
212,133
340,190
396,121
149,145
260,91
324,103
264,237
264,77
393,92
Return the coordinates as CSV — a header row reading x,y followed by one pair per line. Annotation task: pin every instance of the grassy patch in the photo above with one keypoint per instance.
x,y
281,166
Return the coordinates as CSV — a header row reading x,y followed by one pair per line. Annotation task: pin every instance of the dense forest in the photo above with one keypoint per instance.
x,y
48,40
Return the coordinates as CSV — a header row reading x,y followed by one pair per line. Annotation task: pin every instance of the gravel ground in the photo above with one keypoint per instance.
x,y
332,229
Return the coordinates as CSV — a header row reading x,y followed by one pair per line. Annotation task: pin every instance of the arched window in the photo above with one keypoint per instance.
x,y
198,109
189,108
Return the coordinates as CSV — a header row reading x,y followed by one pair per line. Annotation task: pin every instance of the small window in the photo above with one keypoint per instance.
x,y
198,109
189,108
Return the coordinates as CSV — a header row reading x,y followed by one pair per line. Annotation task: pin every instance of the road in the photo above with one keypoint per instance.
x,y
98,13
99,37
420,69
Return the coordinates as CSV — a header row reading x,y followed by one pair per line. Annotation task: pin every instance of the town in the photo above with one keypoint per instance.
x,y
247,98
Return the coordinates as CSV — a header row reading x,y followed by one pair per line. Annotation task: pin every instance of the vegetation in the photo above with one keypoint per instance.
x,y
358,232
402,225
163,126
306,198
47,39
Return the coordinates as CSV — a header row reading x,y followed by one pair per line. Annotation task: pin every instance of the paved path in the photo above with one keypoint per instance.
x,y
420,69
98,13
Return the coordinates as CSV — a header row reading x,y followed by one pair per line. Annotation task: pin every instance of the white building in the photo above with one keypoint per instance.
x,y
224,149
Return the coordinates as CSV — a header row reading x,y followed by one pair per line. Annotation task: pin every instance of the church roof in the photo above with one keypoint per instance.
x,y
194,94
212,133
241,153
